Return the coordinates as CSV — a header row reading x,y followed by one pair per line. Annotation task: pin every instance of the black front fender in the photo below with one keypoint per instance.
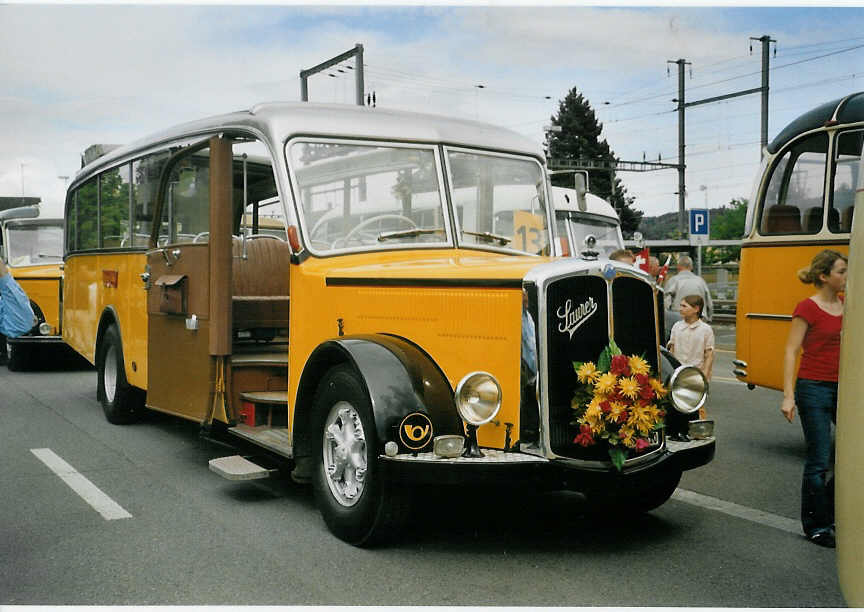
x,y
399,379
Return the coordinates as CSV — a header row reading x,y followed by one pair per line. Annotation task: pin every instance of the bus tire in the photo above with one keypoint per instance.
x,y
20,356
120,401
357,504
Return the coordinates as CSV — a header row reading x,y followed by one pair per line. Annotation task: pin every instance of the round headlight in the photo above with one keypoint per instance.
x,y
478,398
688,388
45,329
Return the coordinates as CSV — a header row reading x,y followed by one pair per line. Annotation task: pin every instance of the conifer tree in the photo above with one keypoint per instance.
x,y
579,138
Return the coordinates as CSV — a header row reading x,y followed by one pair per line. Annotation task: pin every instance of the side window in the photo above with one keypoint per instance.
x,y
146,173
187,199
114,207
793,202
88,231
72,223
847,158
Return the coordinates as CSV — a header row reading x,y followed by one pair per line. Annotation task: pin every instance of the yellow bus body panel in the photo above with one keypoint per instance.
x,y
42,286
768,284
87,295
463,329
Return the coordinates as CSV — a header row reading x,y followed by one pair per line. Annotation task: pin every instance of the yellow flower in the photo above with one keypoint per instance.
x,y
627,435
587,373
594,418
658,387
638,365
616,409
643,418
629,387
606,383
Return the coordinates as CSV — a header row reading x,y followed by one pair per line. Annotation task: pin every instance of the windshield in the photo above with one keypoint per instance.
x,y
573,228
29,245
368,196
499,201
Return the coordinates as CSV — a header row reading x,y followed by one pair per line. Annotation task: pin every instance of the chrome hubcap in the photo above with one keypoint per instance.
x,y
344,453
110,374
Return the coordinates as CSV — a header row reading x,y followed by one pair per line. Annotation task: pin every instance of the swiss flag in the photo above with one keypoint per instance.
x,y
642,259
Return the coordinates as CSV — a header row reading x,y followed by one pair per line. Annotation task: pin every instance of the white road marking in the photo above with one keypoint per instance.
x,y
748,514
89,492
727,380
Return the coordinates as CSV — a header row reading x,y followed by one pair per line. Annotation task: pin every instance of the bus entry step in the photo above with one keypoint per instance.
x,y
236,467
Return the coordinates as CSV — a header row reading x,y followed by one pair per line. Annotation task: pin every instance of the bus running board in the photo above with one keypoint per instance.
x,y
236,467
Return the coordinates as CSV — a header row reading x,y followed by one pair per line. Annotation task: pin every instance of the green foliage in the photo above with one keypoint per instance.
x,y
605,359
579,138
618,456
727,223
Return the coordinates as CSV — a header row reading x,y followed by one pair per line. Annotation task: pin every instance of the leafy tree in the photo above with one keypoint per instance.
x,y
727,223
579,138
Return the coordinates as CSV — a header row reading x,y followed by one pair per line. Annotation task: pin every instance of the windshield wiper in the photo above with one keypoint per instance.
x,y
411,233
489,236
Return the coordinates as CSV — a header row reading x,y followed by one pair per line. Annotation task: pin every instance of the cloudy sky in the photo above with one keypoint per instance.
x,y
74,75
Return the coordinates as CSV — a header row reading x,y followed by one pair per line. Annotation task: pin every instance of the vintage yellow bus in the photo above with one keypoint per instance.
x,y
413,326
804,202
33,251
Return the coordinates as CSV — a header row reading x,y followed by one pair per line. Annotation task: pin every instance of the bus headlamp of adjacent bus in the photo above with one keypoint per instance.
x,y
688,389
478,398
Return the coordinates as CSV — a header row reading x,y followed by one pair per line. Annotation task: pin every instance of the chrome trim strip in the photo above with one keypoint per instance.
x,y
767,316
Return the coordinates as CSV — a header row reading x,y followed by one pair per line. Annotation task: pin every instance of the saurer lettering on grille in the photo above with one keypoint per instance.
x,y
571,318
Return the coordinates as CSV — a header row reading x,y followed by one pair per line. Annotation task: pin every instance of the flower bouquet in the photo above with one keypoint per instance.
x,y
618,402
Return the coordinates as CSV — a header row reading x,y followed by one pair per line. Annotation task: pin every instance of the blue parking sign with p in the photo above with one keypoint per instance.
x,y
699,222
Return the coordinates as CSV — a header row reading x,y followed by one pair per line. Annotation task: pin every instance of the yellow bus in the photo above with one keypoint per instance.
x,y
413,326
33,251
803,203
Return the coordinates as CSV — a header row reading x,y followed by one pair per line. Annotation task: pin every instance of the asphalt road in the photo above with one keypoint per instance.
x,y
728,538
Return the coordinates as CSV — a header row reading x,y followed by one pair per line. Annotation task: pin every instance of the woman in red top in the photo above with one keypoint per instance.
x,y
815,328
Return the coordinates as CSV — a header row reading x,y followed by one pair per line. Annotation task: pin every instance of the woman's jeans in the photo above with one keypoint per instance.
x,y
817,408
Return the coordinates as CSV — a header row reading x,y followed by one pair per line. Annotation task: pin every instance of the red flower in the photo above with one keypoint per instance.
x,y
622,418
641,444
646,393
584,438
605,407
642,379
620,366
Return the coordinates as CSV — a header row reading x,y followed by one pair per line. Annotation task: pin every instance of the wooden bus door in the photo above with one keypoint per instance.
x,y
189,322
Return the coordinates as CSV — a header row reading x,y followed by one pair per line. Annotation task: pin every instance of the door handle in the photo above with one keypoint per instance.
x,y
145,278
175,253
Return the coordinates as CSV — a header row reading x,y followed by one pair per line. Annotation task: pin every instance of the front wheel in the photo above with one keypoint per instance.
x,y
356,504
121,401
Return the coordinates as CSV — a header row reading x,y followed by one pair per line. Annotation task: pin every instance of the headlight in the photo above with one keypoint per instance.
x,y
45,329
478,398
688,388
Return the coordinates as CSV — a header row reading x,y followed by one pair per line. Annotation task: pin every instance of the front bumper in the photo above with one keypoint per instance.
x,y
36,339
515,468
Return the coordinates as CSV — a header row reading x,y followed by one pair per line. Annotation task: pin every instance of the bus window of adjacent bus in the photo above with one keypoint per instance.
x,y
794,198
87,215
846,166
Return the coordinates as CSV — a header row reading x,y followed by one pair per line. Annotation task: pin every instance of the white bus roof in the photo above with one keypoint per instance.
x,y
564,198
282,120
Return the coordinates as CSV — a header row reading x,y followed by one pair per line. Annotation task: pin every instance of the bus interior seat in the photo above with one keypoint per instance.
x,y
260,285
833,219
781,219
813,219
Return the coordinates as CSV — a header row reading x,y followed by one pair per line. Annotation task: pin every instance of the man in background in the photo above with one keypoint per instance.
x,y
685,282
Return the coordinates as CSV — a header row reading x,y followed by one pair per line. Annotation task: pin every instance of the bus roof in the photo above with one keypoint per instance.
x,y
848,109
282,120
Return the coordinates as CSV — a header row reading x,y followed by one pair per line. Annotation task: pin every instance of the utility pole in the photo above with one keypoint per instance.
x,y
766,56
682,187
357,54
